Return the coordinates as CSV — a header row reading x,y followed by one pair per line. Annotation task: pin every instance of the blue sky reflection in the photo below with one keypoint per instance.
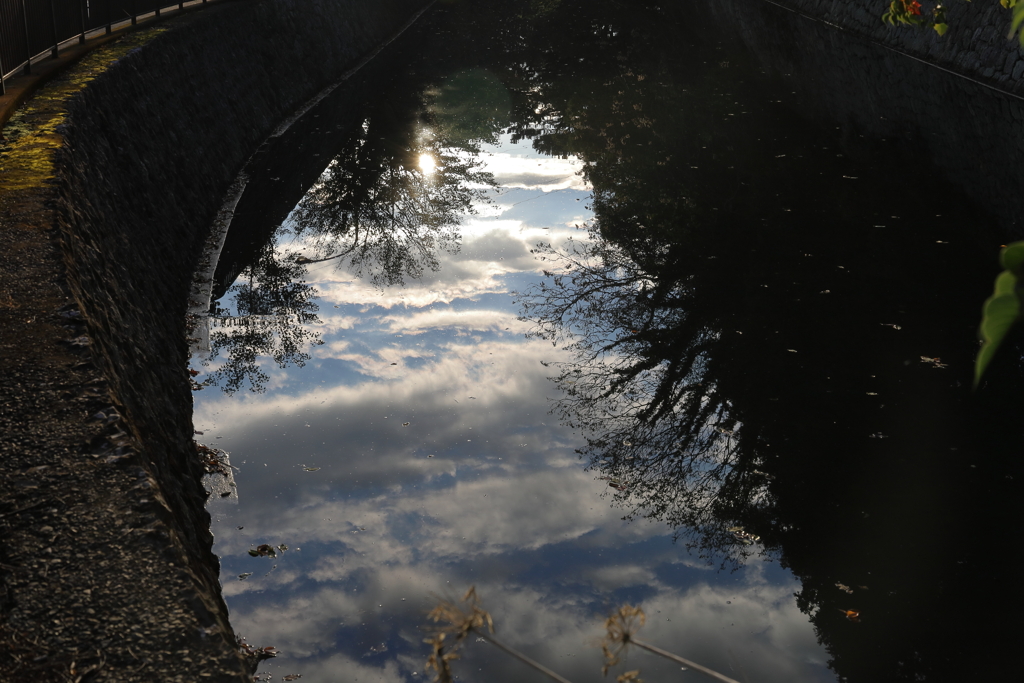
x,y
414,456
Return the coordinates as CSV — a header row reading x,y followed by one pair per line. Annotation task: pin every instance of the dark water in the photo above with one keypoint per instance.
x,y
693,351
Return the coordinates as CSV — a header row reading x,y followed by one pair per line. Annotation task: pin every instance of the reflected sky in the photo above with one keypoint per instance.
x,y
414,455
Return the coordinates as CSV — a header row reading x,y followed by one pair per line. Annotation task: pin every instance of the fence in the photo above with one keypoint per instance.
x,y
30,29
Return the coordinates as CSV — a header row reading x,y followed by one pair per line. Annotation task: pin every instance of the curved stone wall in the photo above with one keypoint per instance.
x,y
150,148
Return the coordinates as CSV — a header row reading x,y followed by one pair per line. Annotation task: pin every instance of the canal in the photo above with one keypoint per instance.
x,y
577,304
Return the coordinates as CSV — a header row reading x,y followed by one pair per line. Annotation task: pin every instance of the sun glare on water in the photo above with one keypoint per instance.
x,y
427,164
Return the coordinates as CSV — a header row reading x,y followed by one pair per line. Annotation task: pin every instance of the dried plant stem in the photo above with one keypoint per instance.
x,y
685,662
526,660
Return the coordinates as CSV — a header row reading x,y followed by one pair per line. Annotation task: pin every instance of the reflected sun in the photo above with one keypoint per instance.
x,y
427,164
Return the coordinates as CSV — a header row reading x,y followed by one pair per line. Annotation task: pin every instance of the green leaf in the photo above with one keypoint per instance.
x,y
1012,257
1006,283
1000,313
941,28
1018,19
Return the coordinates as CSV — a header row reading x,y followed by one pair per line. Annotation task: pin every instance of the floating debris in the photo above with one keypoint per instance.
x,y
264,550
743,536
616,484
895,327
376,650
934,362
212,459
851,614
843,587
243,577
311,469
878,435
260,653
292,677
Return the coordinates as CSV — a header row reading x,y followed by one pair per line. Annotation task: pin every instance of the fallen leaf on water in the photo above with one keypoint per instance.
x,y
243,577
852,615
843,587
311,469
264,550
405,424
292,677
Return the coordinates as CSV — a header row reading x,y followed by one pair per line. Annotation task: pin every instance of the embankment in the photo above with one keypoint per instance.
x,y
109,573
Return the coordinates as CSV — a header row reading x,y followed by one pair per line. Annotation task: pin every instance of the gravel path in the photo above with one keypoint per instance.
x,y
95,584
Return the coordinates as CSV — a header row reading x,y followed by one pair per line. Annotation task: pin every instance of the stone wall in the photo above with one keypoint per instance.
x,y
959,98
975,45
149,150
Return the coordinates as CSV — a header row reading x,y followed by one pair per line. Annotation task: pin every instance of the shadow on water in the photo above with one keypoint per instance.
x,y
771,332
772,340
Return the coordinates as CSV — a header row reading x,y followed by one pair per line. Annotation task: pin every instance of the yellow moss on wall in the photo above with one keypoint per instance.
x,y
26,155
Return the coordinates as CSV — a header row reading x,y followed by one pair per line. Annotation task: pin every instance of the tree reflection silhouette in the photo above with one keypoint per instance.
x,y
376,209
638,387
274,312
750,326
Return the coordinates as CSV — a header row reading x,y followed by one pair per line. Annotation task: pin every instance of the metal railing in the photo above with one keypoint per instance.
x,y
31,30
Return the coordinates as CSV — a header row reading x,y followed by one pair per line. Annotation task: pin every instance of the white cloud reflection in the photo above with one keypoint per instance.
x,y
438,467
544,174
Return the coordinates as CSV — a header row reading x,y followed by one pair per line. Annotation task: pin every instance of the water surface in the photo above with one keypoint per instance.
x,y
583,312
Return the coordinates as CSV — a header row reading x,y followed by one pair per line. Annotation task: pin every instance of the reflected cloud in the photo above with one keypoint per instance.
x,y
546,174
415,456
